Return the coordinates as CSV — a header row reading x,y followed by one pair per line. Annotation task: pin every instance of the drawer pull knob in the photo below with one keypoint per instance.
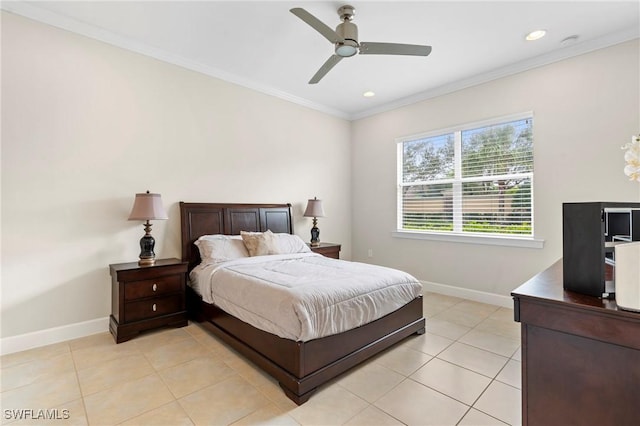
x,y
154,307
155,287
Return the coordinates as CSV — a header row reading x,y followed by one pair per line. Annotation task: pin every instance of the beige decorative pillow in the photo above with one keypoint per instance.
x,y
259,243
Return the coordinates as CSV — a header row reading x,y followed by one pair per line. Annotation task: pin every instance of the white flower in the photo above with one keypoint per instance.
x,y
632,157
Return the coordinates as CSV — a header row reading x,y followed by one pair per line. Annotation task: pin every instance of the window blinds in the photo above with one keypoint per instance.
x,y
470,180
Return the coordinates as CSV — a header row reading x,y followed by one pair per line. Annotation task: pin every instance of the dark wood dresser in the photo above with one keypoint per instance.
x,y
147,297
580,355
328,250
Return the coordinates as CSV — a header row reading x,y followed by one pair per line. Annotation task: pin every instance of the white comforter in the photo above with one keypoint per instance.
x,y
304,296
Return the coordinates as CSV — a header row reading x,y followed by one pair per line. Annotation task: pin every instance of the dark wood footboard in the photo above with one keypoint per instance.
x,y
301,367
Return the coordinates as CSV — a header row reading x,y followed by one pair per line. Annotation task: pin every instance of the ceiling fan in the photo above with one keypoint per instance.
x,y
345,39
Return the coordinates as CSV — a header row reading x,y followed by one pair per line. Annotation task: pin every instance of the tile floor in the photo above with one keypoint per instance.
x,y
464,371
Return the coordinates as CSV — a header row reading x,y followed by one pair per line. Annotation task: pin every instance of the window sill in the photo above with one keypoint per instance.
x,y
526,242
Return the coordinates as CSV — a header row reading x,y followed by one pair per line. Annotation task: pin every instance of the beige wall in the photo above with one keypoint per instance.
x,y
86,125
585,109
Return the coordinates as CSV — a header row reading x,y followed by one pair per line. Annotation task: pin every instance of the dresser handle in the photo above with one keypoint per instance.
x,y
154,307
154,287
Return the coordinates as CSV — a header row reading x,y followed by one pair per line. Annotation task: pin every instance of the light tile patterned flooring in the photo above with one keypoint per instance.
x,y
464,371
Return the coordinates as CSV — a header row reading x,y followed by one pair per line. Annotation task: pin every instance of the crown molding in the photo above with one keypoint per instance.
x,y
78,27
515,68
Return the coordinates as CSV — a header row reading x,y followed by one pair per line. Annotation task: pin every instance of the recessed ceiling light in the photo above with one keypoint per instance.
x,y
368,94
535,35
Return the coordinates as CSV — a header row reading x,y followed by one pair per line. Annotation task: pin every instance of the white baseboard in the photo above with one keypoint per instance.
x,y
49,336
466,293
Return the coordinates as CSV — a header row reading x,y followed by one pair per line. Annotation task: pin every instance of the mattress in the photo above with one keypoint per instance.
x,y
303,296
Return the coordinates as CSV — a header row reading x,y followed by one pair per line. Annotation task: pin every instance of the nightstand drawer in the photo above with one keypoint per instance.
x,y
150,308
148,288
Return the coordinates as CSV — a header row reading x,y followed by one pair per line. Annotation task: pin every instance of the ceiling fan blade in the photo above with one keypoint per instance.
x,y
368,48
325,68
317,24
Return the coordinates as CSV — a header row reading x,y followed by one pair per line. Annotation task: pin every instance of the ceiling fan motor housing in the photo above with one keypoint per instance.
x,y
348,31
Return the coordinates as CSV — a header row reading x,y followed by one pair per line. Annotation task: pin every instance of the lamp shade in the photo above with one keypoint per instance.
x,y
314,208
148,207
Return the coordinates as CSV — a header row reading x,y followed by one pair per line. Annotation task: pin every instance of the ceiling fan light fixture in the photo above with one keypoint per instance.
x,y
345,41
535,35
346,48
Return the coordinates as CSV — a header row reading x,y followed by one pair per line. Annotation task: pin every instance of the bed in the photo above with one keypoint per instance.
x,y
300,367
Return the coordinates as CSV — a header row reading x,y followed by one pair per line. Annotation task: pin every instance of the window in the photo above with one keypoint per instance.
x,y
471,180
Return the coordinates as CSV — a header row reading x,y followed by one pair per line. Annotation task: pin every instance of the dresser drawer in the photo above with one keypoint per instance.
x,y
149,308
162,285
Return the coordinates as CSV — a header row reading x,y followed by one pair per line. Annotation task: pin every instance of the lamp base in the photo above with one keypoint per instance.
x,y
146,261
315,235
147,243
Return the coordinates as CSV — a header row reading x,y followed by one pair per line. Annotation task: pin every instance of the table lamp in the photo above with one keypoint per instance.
x,y
314,210
147,207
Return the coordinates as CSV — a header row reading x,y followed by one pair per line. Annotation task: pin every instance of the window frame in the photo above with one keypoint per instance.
x,y
458,235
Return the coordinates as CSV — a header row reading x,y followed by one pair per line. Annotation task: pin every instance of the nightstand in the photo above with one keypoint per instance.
x,y
147,297
327,250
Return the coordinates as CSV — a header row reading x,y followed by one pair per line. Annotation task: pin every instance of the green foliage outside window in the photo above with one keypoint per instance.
x,y
491,191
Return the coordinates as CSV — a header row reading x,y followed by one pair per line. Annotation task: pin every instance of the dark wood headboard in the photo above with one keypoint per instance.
x,y
199,219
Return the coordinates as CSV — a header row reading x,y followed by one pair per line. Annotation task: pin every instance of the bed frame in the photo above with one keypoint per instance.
x,y
299,367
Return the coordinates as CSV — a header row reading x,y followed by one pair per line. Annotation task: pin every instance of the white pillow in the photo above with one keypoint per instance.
x,y
288,244
221,248
259,243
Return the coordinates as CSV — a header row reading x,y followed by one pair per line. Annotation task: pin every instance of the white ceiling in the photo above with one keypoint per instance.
x,y
263,46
